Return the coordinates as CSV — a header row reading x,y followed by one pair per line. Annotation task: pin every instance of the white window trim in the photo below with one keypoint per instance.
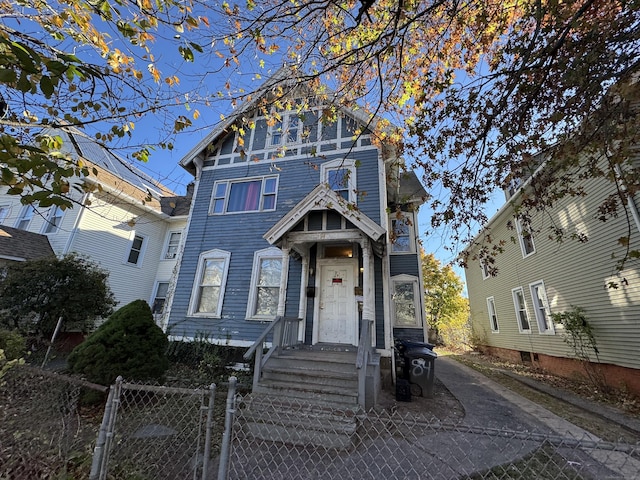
x,y
491,311
404,278
412,232
515,306
154,296
536,310
521,240
143,249
7,210
23,216
484,269
230,181
285,120
165,248
48,221
341,163
193,302
271,252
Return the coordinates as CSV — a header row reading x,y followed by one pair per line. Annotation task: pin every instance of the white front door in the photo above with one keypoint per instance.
x,y
337,316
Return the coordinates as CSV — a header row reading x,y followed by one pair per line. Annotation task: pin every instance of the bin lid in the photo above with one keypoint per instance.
x,y
421,352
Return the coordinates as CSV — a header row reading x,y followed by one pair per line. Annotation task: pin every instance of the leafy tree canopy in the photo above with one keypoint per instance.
x,y
478,90
36,293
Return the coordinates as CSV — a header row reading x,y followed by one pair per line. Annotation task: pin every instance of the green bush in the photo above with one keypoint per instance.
x,y
129,344
13,344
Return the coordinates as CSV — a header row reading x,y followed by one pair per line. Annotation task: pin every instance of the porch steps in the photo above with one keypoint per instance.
x,y
306,397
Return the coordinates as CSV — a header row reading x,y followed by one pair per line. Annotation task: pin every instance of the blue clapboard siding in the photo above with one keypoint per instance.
x,y
406,263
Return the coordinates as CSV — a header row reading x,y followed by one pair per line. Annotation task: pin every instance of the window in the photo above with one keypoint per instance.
x,y
541,307
285,131
25,217
54,218
211,278
160,298
264,292
406,307
526,240
4,211
340,175
135,253
521,310
253,195
485,270
493,318
173,243
402,238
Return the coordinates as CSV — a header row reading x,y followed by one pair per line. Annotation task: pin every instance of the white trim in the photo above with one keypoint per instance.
x,y
521,239
230,181
542,329
195,291
217,341
154,296
7,210
484,269
491,312
258,256
165,247
404,278
517,310
26,214
141,252
411,233
48,220
341,164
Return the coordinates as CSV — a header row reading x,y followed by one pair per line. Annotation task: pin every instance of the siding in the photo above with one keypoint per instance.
x,y
573,273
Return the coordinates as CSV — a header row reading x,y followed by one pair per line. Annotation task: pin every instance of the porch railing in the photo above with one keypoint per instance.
x,y
285,334
362,360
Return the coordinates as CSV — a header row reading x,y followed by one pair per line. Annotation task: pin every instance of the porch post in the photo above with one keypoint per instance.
x,y
368,274
282,297
302,308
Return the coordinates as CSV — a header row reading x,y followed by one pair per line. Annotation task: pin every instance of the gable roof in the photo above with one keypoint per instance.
x,y
20,245
323,198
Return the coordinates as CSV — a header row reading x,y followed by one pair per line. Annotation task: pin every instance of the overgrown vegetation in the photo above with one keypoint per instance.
x,y
129,344
12,351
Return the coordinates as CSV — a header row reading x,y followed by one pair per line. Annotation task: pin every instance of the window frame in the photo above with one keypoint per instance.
x,y
493,315
155,297
341,164
141,251
227,194
281,129
194,301
167,245
252,300
417,303
411,233
523,240
50,225
5,210
518,310
26,214
484,268
538,309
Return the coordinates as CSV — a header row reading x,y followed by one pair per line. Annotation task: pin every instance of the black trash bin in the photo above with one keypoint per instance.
x,y
419,369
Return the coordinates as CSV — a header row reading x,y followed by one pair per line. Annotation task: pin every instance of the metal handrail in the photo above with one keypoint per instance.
x,y
362,359
283,336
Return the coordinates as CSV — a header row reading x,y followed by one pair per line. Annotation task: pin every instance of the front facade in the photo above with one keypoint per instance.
x,y
293,220
538,276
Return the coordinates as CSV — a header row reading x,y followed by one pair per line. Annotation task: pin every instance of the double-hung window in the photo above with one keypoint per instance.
x,y
526,239
264,292
340,176
493,318
521,310
160,298
406,301
136,250
246,195
485,269
53,220
211,279
541,307
173,243
25,217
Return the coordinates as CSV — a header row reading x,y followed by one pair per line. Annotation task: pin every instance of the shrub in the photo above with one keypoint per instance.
x,y
13,344
129,343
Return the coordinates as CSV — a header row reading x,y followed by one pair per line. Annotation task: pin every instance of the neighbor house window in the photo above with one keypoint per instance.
x,y
25,217
526,240
402,239
173,243
340,176
521,310
493,318
246,195
264,292
4,211
541,307
53,220
406,301
285,131
136,250
211,278
160,298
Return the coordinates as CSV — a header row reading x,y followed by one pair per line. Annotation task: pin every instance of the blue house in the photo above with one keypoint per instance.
x,y
302,217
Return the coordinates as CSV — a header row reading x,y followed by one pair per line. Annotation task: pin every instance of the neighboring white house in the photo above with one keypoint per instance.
x,y
131,226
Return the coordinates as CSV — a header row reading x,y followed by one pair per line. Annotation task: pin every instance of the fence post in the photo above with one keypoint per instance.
x,y
207,433
223,468
110,428
98,451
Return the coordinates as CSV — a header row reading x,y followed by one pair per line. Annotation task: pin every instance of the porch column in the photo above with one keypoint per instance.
x,y
302,308
368,274
282,297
